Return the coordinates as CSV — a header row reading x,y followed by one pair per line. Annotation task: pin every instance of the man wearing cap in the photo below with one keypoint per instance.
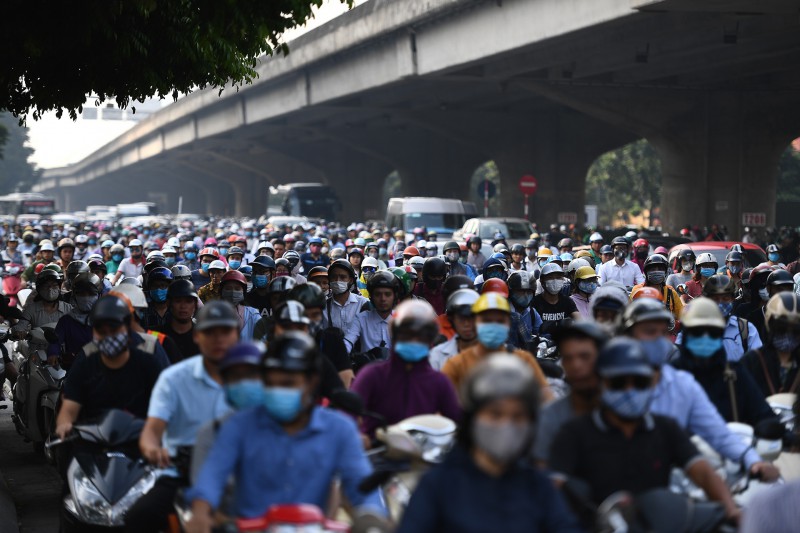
x,y
211,290
492,324
552,305
186,396
596,243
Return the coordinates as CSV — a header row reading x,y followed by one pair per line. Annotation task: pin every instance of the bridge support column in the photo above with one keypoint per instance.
x,y
359,185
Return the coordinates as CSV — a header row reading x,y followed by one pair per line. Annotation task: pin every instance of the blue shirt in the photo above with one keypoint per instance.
x,y
371,329
185,397
274,467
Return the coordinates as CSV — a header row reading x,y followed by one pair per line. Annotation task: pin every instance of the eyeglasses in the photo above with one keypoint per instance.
x,y
623,382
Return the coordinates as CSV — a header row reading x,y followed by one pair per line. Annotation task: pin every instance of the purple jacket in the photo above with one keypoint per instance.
x,y
398,390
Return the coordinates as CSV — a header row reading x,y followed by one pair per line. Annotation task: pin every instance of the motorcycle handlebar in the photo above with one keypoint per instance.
x,y
58,442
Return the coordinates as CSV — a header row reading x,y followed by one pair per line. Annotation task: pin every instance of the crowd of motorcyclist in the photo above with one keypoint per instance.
x,y
230,338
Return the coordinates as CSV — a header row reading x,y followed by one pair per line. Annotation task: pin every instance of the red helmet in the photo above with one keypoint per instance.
x,y
661,251
647,292
234,275
209,251
211,241
411,250
495,285
641,243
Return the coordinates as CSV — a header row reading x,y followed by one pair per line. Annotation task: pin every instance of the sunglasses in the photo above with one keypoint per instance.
x,y
714,333
623,382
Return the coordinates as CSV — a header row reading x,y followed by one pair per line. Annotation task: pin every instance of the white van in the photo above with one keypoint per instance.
x,y
442,215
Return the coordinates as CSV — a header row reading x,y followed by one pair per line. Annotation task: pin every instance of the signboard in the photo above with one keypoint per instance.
x,y
567,218
528,185
482,189
754,219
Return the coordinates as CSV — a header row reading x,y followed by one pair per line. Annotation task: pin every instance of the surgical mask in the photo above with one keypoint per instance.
x,y
735,269
282,403
411,352
117,257
688,266
704,346
170,261
495,273
260,281
190,256
620,254
85,303
656,277
51,295
339,287
92,242
541,262
235,264
763,294
530,252
452,257
707,272
114,345
324,250
658,351
492,335
786,342
245,394
521,301
233,296
381,251
373,254
553,286
204,267
503,442
774,257
629,404
314,328
726,308
589,287
158,295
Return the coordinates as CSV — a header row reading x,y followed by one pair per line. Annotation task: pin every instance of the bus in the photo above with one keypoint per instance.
x,y
313,200
137,209
27,203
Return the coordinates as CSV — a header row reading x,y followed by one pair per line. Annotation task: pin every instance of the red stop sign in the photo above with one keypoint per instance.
x,y
528,184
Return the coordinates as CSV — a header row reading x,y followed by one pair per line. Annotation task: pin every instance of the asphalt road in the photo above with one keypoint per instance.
x,y
28,481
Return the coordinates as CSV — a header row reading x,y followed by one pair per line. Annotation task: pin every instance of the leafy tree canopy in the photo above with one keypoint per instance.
x,y
17,174
57,53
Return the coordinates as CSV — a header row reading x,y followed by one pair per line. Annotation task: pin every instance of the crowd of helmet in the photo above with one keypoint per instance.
x,y
371,297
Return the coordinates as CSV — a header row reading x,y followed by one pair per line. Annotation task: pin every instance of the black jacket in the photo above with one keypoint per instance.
x,y
764,365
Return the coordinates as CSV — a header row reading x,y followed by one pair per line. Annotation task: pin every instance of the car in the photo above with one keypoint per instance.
x,y
515,230
753,254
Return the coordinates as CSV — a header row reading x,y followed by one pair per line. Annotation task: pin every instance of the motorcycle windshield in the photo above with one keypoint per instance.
x,y
114,428
112,473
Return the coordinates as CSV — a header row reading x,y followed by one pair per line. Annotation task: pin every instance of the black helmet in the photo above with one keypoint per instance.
x,y
383,279
181,272
532,243
47,274
623,356
686,255
579,329
318,270
97,264
719,284
519,280
450,245
417,317
112,309
281,284
291,311
283,262
500,376
476,239
181,288
308,294
565,243
656,260
434,266
294,351
76,267
87,282
734,257
264,261
780,277
620,241
518,249
217,314
292,257
160,273
155,262
645,310
456,283
345,264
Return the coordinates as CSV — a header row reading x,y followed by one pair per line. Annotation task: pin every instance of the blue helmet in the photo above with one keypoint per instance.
x,y
623,356
243,353
264,261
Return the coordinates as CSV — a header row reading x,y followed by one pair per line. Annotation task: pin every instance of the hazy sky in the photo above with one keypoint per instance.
x,y
62,142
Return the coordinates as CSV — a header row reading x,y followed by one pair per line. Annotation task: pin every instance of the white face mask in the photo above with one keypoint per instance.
x,y
339,287
553,286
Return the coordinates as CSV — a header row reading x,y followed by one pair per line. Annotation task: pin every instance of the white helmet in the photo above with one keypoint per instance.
x,y
135,242
174,242
370,262
168,250
155,253
705,258
596,237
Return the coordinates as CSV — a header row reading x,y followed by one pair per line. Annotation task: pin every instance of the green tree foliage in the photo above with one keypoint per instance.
x,y
625,182
487,171
56,53
17,174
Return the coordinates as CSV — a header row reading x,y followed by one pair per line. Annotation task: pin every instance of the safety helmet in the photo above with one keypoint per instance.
x,y
772,248
551,268
416,263
609,296
404,280
661,251
734,257
585,272
87,282
344,264
135,243
461,302
242,353
190,246
356,251
370,262
47,274
574,265
544,252
235,250
582,254
117,249
606,249
166,249
641,243
264,245
416,317
110,309
66,242
644,310
495,285
595,237
519,280
783,308
292,312
181,272
455,283
212,252
294,351
264,261
308,294
318,270
181,288
76,267
623,356
500,376
217,265
160,273
719,284
410,251
217,313
293,258
236,276
132,295
619,241
434,266
564,243
647,292
656,261
46,246
474,239
385,280
281,284
780,277
97,264
706,259
450,245
702,312
491,301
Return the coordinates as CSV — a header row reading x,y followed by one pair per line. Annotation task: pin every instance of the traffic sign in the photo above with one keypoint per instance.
x,y
528,185
754,219
567,217
482,189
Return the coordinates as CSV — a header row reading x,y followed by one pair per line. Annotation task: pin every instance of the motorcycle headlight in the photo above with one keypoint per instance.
x,y
434,447
92,507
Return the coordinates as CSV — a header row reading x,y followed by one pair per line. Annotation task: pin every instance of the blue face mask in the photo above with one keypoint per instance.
x,y
158,295
235,264
726,308
116,257
245,394
495,274
587,286
521,301
704,346
658,351
492,335
204,267
774,257
629,404
170,261
283,404
223,252
260,281
735,269
92,242
707,272
411,351
190,256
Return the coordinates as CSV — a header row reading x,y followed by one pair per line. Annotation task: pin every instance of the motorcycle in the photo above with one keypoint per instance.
x,y
12,282
546,353
104,477
789,460
37,392
291,518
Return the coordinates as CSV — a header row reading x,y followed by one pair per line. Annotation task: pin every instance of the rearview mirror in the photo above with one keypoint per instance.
x,y
681,289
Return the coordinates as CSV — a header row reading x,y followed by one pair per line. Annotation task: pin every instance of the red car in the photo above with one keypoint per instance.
x,y
753,254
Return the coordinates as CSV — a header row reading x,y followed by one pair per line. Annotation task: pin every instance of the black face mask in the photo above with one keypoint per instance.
x,y
433,284
620,254
641,254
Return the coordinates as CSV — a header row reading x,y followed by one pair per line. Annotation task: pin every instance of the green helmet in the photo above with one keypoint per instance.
x,y
405,281
54,267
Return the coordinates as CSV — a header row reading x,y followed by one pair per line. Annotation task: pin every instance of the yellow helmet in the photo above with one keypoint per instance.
x,y
491,301
585,272
544,251
582,253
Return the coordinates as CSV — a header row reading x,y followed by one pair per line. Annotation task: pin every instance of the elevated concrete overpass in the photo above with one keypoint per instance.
x,y
434,88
